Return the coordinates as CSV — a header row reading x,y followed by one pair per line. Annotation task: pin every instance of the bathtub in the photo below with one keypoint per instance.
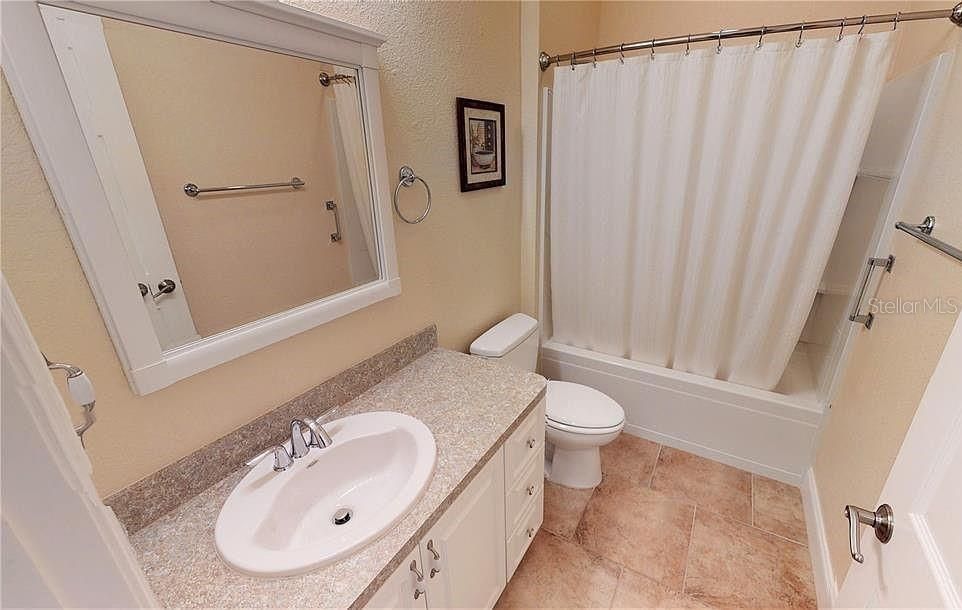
x,y
768,433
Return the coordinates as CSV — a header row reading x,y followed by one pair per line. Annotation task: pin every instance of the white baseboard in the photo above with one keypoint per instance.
x,y
826,588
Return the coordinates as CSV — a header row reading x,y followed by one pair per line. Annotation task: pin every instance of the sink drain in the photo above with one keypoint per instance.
x,y
342,516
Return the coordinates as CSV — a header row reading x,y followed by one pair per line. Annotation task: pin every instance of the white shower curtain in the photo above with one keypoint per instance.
x,y
351,129
695,199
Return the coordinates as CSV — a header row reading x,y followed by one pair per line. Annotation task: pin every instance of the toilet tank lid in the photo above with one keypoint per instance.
x,y
504,336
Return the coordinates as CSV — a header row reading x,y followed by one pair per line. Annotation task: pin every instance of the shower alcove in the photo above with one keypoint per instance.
x,y
771,433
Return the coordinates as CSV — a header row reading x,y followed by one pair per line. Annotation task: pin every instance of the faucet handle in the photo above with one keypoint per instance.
x,y
319,436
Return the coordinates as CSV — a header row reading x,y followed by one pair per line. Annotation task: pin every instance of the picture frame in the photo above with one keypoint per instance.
x,y
481,145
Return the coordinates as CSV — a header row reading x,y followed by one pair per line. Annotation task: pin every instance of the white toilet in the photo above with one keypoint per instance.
x,y
578,420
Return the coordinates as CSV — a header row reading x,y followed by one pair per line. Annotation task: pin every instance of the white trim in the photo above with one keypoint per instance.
x,y
37,84
826,588
69,545
530,242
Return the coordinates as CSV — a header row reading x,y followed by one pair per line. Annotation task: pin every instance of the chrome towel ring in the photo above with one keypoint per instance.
x,y
406,178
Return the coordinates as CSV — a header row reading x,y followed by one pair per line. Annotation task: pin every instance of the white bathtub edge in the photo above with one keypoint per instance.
x,y
713,454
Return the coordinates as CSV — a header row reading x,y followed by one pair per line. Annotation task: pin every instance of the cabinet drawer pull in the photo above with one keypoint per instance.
x,y
417,572
532,442
418,593
531,489
430,547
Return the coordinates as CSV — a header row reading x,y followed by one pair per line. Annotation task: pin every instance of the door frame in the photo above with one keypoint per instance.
x,y
62,546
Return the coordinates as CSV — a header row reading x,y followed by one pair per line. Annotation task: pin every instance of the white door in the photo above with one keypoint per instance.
x,y
465,562
61,546
401,587
921,566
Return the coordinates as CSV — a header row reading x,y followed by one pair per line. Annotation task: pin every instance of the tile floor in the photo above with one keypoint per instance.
x,y
667,529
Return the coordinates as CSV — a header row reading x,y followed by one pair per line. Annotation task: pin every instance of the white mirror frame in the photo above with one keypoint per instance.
x,y
38,87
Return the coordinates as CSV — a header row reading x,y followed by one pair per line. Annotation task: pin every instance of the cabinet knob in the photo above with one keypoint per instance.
x,y
531,489
532,442
530,532
417,572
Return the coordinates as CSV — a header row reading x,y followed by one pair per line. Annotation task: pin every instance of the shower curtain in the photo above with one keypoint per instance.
x,y
695,198
351,129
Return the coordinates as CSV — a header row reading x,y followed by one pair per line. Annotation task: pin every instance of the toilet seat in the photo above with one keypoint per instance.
x,y
576,408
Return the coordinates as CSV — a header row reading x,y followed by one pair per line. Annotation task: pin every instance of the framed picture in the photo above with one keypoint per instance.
x,y
480,144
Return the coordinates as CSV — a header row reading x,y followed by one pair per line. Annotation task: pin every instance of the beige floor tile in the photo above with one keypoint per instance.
x,y
777,508
629,456
638,528
557,573
735,565
563,507
637,591
716,487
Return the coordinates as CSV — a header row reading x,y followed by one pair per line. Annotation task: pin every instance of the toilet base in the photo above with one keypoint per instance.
x,y
577,468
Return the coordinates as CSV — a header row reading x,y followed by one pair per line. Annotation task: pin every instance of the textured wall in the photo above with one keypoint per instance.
x,y
460,268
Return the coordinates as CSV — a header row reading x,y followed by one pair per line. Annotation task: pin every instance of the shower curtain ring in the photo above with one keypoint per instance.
x,y
895,24
572,61
652,49
798,43
718,50
688,46
760,37
594,58
841,30
861,28
622,51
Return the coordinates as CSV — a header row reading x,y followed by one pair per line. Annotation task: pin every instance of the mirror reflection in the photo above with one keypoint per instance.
x,y
210,257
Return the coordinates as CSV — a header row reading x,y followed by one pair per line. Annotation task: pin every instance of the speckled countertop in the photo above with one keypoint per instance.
x,y
471,405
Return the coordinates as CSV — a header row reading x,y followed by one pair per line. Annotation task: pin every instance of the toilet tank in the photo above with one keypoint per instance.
x,y
514,341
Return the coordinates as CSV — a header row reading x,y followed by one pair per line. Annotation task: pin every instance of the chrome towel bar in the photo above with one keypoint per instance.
x,y
923,232
192,190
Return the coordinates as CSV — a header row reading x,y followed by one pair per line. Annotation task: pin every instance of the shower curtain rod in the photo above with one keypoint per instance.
x,y
953,14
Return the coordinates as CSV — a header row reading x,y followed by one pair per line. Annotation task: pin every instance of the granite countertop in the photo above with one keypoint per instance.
x,y
470,404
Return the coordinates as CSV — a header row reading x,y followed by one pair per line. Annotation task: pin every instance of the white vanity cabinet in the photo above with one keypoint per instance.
x,y
467,557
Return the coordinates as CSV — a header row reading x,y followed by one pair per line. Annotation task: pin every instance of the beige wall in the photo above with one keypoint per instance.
x,y
459,268
182,94
891,364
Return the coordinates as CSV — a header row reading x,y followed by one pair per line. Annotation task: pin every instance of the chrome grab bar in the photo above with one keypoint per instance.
x,y
336,235
872,263
923,232
192,190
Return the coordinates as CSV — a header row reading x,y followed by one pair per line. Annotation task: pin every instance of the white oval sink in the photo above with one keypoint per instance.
x,y
282,523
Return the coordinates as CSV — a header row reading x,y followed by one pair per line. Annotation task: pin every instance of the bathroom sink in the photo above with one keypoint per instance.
x,y
330,502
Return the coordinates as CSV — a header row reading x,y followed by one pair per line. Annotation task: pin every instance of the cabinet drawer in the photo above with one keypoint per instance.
x,y
525,441
521,538
523,492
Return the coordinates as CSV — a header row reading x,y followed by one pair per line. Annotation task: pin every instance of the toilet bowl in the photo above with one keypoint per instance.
x,y
578,420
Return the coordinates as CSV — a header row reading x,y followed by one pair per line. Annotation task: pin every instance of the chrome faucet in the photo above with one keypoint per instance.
x,y
318,437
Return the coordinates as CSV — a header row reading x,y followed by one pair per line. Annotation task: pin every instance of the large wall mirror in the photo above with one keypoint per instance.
x,y
238,154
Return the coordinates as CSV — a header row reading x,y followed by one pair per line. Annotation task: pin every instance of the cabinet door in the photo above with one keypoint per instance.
x,y
464,551
399,589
